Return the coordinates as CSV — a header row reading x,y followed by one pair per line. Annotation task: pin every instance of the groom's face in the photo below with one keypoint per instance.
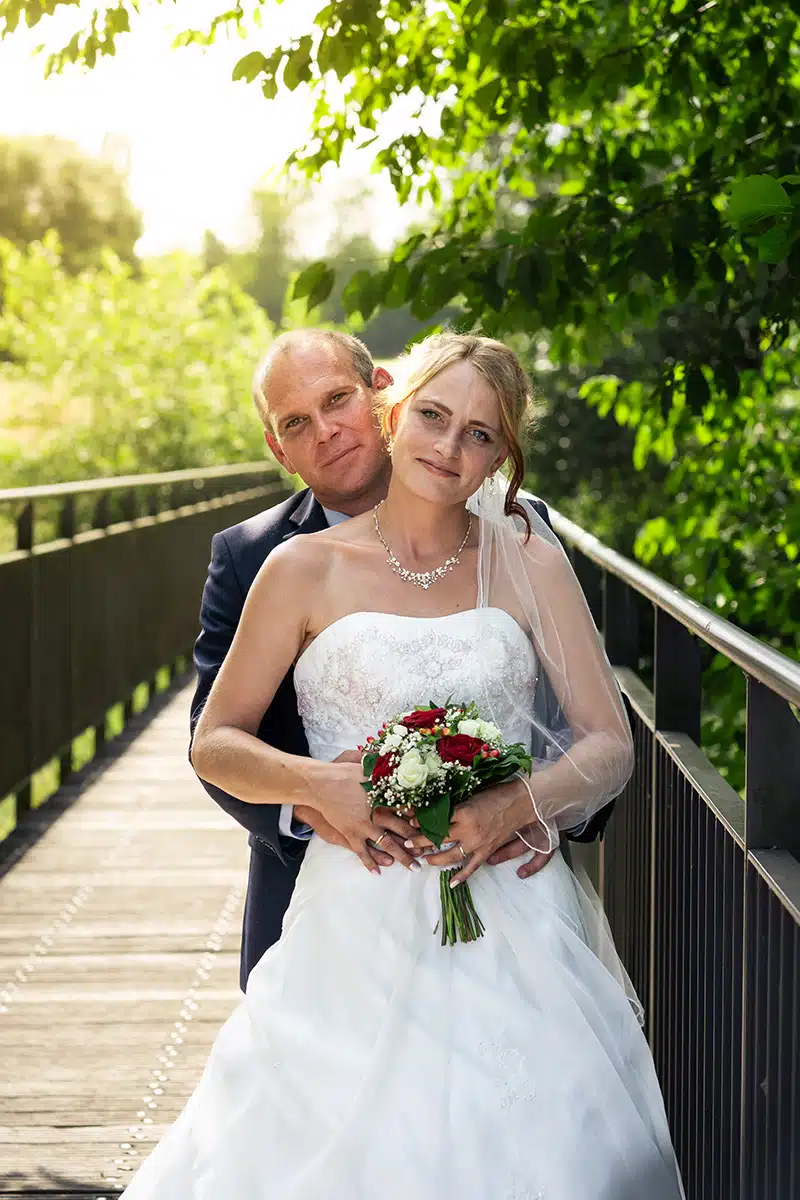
x,y
322,424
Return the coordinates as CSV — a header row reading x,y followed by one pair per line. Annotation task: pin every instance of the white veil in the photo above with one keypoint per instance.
x,y
580,737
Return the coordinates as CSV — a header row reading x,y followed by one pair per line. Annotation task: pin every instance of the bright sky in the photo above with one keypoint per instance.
x,y
198,141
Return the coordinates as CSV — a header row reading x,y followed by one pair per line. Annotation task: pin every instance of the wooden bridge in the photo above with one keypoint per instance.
x,y
119,961
120,897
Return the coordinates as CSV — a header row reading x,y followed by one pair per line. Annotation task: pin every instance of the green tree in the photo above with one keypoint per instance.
x,y
581,173
48,183
115,372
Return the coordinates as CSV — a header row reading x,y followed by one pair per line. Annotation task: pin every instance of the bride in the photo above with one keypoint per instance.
x,y
366,1059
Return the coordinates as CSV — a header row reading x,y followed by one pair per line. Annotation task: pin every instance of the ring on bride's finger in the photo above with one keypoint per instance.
x,y
464,854
380,839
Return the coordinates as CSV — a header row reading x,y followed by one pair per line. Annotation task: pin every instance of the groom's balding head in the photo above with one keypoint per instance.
x,y
291,351
315,394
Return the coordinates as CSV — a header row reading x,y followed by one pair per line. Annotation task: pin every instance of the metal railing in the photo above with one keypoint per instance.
x,y
100,589
702,886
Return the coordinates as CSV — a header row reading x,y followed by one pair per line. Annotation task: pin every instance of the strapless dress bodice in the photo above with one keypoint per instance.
x,y
367,666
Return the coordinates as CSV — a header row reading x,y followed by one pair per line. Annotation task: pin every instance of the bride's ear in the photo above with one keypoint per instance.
x,y
394,417
498,462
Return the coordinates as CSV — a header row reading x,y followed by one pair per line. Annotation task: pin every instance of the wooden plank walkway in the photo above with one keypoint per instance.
x,y
119,950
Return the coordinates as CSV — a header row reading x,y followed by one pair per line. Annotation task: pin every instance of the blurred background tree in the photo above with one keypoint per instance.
x,y
116,371
48,183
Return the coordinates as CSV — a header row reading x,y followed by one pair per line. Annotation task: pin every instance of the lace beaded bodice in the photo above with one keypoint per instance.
x,y
367,666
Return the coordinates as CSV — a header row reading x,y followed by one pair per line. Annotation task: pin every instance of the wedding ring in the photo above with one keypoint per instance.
x,y
380,839
464,854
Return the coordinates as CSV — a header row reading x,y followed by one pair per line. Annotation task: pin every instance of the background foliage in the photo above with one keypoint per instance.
x,y
580,157
115,372
47,183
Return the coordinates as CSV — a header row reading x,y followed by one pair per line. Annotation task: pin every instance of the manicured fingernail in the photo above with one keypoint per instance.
x,y
413,866
454,883
408,843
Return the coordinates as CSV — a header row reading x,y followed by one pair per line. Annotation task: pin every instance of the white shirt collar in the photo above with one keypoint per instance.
x,y
333,517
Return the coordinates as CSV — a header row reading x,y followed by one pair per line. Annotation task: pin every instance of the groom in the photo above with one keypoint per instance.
x,y
315,393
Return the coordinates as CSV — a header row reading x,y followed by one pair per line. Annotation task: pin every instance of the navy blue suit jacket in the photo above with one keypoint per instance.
x,y
236,558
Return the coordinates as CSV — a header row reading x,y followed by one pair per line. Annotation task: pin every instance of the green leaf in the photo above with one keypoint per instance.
x,y
773,246
434,821
315,282
298,64
251,66
755,199
368,763
359,294
396,293
408,247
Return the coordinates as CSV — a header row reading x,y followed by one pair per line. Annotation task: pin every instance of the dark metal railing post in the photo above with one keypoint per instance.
x,y
25,527
620,622
66,529
772,821
677,677
772,772
590,577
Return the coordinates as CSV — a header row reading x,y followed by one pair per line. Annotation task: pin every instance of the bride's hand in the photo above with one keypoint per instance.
x,y
343,804
480,827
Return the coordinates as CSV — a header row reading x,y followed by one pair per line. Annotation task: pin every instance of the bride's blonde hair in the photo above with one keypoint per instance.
x,y
501,369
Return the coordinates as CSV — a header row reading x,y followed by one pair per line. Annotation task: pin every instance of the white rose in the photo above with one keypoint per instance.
x,y
399,731
433,763
412,771
469,727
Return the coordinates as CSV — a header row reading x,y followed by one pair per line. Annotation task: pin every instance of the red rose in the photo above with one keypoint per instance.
x,y
423,719
382,768
457,747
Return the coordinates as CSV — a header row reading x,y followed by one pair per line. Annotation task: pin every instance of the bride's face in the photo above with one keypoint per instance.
x,y
447,436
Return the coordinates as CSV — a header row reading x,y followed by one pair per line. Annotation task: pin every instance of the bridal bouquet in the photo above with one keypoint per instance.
x,y
425,762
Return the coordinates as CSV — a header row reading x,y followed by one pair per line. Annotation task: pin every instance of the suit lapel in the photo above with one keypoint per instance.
x,y
308,517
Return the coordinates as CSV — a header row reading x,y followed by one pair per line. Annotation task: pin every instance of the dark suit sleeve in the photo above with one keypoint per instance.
x,y
223,601
595,826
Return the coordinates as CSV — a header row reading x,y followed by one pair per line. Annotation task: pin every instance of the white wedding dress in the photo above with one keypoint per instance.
x,y
366,1060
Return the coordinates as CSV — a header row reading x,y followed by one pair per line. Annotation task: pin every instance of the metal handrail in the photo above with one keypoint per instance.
x,y
762,662
769,666
49,491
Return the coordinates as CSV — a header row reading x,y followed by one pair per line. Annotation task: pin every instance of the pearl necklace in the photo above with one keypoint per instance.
x,y
422,579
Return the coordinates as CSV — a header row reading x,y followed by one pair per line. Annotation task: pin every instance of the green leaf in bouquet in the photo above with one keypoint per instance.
x,y
368,763
434,821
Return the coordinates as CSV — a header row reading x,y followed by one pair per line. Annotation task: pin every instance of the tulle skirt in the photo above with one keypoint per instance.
x,y
367,1060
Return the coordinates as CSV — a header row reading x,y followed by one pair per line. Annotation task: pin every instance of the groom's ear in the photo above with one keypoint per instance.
x,y
381,379
277,450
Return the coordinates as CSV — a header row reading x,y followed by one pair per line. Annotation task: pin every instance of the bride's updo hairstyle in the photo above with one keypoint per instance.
x,y
501,369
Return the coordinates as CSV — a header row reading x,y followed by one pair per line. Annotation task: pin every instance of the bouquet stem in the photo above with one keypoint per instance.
x,y
460,921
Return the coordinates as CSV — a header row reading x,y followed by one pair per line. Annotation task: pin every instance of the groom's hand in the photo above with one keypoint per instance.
x,y
516,848
323,828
